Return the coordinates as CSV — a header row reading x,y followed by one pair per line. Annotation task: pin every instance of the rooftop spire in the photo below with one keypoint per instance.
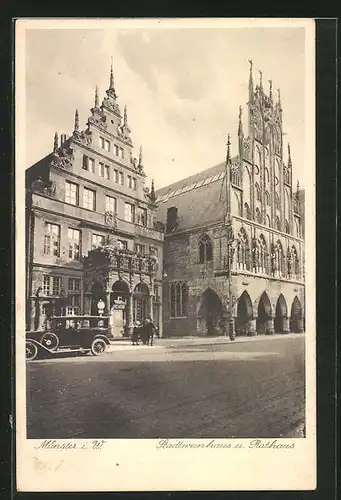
x,y
76,129
260,79
55,142
96,98
270,89
250,81
279,99
289,156
240,126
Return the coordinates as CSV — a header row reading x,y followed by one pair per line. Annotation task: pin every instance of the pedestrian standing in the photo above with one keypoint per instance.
x,y
135,334
150,329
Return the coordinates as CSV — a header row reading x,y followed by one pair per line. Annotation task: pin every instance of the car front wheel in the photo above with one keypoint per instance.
x,y
31,351
98,347
50,341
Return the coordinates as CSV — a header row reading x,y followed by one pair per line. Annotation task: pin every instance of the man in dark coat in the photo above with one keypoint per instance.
x,y
149,328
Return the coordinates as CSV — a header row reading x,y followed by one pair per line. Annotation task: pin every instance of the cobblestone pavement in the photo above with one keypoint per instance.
x,y
193,387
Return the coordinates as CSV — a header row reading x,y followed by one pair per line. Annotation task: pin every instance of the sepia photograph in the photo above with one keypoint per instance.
x,y
165,184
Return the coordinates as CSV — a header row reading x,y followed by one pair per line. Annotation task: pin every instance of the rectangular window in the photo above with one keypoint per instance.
x,y
97,241
141,249
71,193
104,171
129,212
52,239
104,144
131,182
121,153
88,164
46,285
122,244
110,204
141,216
56,285
116,150
74,284
89,199
73,309
74,237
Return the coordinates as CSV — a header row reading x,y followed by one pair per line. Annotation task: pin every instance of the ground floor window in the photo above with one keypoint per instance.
x,y
178,298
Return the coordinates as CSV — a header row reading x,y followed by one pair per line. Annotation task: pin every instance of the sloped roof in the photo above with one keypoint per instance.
x,y
199,199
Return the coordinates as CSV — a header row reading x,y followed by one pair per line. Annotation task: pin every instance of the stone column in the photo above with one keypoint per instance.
x,y
41,317
231,328
286,324
130,323
270,327
252,327
32,313
151,305
107,300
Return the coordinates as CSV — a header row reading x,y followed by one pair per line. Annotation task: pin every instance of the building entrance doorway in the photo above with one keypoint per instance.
x,y
281,314
264,314
210,313
244,314
141,302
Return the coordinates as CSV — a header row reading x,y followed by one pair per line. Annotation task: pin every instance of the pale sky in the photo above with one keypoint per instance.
x,y
183,88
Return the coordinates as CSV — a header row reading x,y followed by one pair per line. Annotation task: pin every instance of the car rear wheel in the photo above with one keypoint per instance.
x,y
31,351
98,347
50,341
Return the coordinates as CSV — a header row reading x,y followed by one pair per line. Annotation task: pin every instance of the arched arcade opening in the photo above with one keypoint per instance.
x,y
210,313
264,315
244,314
281,317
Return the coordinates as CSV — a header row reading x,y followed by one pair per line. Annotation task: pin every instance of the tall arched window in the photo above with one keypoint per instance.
x,y
279,259
277,201
267,198
287,229
243,251
297,228
205,249
267,176
295,266
267,221
278,223
257,190
247,213
258,216
263,255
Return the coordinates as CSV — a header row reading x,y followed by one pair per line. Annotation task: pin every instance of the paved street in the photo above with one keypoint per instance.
x,y
195,388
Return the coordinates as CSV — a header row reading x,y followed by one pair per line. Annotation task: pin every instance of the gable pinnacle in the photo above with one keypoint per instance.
x,y
76,129
112,85
289,155
279,99
96,98
228,152
55,142
140,158
125,116
250,81
240,126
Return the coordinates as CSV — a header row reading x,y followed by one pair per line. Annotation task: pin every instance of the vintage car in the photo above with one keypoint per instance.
x,y
69,334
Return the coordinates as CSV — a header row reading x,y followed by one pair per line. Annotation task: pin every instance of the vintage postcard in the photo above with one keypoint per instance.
x,y
165,254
